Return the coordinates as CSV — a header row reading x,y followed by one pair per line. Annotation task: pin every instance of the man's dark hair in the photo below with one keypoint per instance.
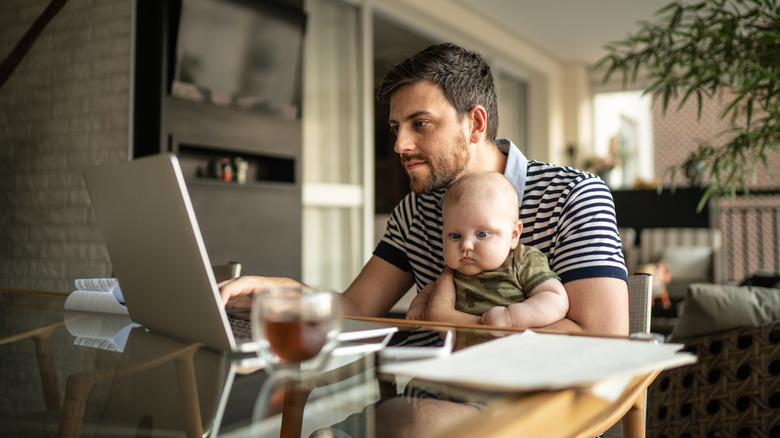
x,y
463,75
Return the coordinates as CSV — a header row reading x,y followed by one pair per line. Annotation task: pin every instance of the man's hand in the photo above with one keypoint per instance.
x,y
239,292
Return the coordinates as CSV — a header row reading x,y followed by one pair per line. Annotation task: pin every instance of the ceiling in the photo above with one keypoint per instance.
x,y
571,30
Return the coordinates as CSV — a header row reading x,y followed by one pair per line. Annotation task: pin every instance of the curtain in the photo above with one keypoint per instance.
x,y
332,153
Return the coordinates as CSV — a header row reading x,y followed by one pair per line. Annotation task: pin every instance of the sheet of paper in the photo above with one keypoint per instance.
x,y
532,361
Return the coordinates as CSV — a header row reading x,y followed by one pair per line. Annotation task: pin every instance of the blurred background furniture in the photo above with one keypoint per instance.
x,y
692,254
677,258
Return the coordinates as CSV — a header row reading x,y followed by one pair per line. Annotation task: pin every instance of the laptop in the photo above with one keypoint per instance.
x,y
152,236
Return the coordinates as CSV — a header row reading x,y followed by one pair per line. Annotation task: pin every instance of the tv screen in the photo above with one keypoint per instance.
x,y
240,54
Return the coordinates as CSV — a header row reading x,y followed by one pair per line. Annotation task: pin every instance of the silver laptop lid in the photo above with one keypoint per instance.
x,y
154,242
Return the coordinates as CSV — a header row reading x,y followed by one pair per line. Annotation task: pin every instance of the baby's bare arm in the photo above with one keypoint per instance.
x,y
547,303
419,303
441,306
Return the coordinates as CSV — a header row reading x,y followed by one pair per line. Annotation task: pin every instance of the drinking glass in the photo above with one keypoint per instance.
x,y
296,325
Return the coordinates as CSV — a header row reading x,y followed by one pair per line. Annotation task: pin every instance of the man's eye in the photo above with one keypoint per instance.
x,y
482,234
393,129
420,124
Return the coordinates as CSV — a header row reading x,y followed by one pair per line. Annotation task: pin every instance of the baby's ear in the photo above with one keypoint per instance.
x,y
516,232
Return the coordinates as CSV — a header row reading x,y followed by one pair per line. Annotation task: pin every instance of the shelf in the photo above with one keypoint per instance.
x,y
194,181
204,164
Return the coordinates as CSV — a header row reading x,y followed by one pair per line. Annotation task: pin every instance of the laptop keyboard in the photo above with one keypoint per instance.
x,y
241,326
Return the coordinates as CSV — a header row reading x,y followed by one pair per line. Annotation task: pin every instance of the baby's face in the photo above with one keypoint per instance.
x,y
476,240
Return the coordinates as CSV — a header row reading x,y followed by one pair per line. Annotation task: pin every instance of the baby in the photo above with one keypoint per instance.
x,y
507,283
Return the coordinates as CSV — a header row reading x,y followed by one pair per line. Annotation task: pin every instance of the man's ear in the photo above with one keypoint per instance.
x,y
478,117
516,232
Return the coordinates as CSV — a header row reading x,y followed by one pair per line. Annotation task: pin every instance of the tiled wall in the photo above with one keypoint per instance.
x,y
677,133
66,107
749,224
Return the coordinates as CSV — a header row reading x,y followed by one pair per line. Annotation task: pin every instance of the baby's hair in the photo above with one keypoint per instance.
x,y
483,185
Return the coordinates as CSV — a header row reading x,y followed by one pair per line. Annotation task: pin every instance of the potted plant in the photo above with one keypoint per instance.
x,y
728,49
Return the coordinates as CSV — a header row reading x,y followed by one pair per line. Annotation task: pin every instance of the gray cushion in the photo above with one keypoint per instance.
x,y
710,308
689,263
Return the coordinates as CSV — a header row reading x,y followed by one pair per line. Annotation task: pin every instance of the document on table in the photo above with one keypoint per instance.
x,y
534,361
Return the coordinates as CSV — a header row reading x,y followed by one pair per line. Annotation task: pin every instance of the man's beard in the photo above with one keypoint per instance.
x,y
444,168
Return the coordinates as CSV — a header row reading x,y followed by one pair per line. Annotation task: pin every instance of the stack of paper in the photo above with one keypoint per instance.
x,y
533,361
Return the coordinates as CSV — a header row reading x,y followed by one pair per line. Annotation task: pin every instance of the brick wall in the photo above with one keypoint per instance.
x,y
65,108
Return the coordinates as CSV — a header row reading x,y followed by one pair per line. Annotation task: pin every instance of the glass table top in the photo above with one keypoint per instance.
x,y
86,374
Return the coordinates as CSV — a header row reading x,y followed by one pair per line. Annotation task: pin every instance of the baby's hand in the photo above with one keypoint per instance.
x,y
418,305
496,316
416,311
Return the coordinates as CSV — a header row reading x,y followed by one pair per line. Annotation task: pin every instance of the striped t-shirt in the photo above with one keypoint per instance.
x,y
566,213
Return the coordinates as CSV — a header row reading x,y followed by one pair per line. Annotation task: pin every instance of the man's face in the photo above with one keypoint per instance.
x,y
430,139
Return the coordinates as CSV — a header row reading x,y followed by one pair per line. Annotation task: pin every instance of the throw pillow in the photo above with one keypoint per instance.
x,y
710,308
689,263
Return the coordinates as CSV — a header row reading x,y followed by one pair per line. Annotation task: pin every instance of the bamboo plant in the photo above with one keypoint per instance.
x,y
729,49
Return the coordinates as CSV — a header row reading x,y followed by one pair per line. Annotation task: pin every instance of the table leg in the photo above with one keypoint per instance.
x,y
292,411
634,420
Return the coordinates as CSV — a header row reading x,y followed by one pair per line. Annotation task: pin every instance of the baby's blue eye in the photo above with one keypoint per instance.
x,y
482,234
454,236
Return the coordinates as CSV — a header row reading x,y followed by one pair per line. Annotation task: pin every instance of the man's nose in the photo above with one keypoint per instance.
x,y
403,142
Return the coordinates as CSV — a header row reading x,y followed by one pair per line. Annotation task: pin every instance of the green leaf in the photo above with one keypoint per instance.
x,y
770,75
708,192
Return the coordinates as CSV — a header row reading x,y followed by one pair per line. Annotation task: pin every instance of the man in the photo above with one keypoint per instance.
x,y
443,111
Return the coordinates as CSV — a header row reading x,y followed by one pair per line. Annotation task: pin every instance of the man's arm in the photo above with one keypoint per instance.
x,y
376,289
597,306
378,286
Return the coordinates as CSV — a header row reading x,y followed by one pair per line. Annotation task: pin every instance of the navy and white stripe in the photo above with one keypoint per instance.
x,y
566,213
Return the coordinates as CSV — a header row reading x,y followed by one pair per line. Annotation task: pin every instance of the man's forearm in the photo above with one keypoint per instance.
x,y
597,306
378,286
349,308
564,325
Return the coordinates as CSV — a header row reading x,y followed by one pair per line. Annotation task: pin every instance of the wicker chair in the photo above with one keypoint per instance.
x,y
732,391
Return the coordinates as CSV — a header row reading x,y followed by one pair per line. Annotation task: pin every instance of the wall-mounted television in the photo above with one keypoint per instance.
x,y
240,53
